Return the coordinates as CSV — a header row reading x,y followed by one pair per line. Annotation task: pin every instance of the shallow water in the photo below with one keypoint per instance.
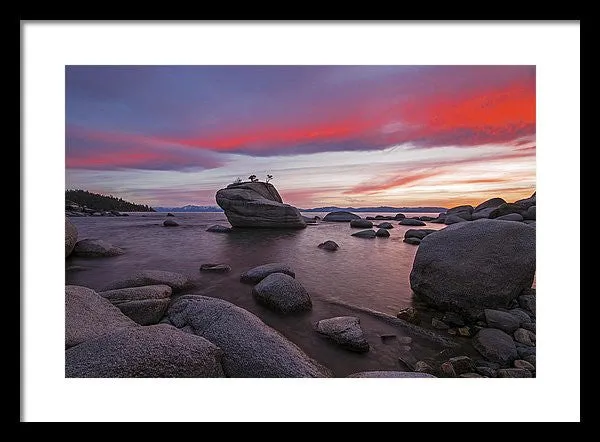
x,y
368,273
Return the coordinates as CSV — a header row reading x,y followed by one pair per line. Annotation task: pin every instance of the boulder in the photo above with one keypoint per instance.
x,y
156,351
146,305
257,204
470,266
329,245
418,233
527,302
340,216
361,223
490,204
514,373
382,233
482,214
412,240
88,316
506,209
390,374
96,248
530,213
440,219
257,274
453,219
524,337
170,214
217,228
524,351
215,268
501,320
70,237
495,346
282,293
461,364
426,218
510,217
520,363
526,203
176,281
170,223
385,226
522,315
344,331
411,222
399,216
423,367
366,234
459,209
486,371
251,348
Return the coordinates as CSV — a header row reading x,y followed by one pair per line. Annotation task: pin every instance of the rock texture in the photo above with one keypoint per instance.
x,y
411,222
282,293
257,205
365,234
144,352
251,348
176,281
501,320
340,216
170,223
257,274
491,203
215,268
70,237
88,316
390,374
96,248
418,233
495,346
344,331
217,228
361,223
471,266
146,305
329,245
382,233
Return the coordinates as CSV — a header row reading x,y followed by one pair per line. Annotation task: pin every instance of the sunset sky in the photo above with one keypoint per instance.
x,y
330,135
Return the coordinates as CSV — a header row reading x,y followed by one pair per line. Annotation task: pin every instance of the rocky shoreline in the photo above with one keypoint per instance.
x,y
472,283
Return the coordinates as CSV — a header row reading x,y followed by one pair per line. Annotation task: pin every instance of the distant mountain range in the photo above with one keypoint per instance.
x,y
192,208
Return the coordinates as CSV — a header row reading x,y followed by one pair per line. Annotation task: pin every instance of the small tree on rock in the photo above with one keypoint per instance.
x,y
253,178
269,178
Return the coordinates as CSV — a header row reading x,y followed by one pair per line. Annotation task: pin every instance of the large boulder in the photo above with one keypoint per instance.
x,y
282,293
170,223
340,216
257,205
344,331
399,216
146,305
460,209
257,274
411,222
251,348
526,203
382,233
506,209
88,316
501,320
454,219
530,213
156,351
361,223
510,217
470,266
365,234
495,346
390,374
418,233
483,213
491,203
96,248
176,281
70,237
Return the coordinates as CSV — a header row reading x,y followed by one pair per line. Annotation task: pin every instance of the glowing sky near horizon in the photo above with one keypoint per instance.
x,y
330,135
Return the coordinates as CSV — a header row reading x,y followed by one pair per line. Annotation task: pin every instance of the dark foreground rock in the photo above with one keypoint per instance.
x,y
329,245
96,248
251,348
340,216
382,233
470,266
259,273
157,351
88,316
257,204
70,237
344,331
418,233
514,373
365,234
176,281
501,320
412,240
390,374
282,293
146,305
361,223
495,346
217,228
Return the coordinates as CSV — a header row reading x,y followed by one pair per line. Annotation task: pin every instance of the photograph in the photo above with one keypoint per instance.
x,y
300,221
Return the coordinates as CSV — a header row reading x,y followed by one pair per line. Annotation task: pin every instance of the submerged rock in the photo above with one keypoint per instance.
x,y
411,222
365,234
361,223
70,237
176,281
399,216
418,233
259,273
344,331
340,216
251,348
257,204
471,266
157,351
217,228
329,245
146,305
412,240
88,316
385,226
216,268
170,223
96,248
282,293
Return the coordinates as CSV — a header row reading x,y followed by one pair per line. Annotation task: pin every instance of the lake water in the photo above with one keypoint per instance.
x,y
369,273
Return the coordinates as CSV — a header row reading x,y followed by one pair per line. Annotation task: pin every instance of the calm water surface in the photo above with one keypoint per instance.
x,y
371,273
